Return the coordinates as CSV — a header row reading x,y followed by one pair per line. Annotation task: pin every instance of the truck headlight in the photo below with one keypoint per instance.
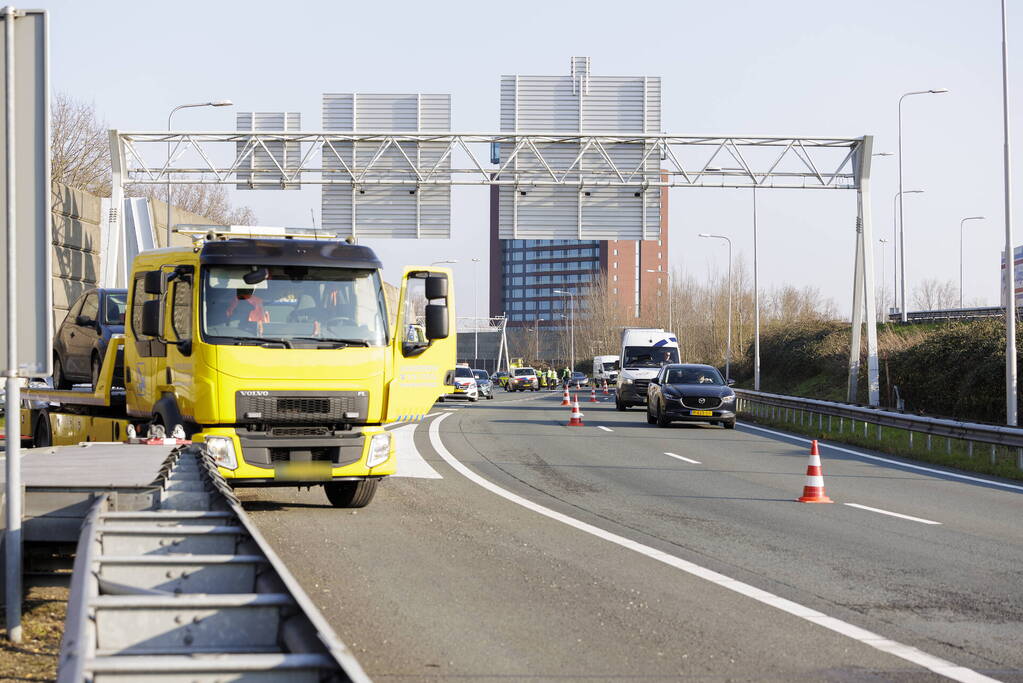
x,y
626,381
379,450
221,448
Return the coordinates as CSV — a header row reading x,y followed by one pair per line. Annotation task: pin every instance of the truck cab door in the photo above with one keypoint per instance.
x,y
143,354
423,343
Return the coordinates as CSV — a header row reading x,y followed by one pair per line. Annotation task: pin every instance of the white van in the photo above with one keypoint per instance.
x,y
644,351
605,368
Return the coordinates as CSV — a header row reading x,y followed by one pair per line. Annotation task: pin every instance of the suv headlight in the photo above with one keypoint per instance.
x,y
379,450
221,448
728,399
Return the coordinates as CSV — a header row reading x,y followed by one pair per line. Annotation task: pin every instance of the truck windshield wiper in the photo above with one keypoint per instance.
x,y
259,341
335,340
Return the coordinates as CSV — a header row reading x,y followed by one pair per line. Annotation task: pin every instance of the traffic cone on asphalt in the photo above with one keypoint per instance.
x,y
813,491
566,401
593,395
605,387
577,417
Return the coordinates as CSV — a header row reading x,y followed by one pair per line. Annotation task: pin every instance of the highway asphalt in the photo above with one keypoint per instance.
x,y
523,549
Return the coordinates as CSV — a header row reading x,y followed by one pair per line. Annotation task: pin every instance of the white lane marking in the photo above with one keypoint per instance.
x,y
878,458
411,463
906,652
680,457
606,429
893,514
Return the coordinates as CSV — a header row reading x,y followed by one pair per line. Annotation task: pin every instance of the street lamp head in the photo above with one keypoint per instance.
x,y
882,154
221,103
974,218
449,260
704,234
938,91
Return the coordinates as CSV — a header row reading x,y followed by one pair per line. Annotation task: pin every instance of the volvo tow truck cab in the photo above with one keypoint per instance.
x,y
280,354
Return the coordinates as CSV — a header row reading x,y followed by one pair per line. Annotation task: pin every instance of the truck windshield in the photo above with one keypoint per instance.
x,y
609,366
341,305
648,356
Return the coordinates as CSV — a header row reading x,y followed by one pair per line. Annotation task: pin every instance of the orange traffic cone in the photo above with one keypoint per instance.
x,y
593,395
813,491
605,387
565,401
577,417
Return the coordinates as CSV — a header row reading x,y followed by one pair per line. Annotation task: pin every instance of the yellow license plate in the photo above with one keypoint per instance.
x,y
702,413
304,471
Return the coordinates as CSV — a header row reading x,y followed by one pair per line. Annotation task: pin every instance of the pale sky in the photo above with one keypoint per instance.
x,y
728,68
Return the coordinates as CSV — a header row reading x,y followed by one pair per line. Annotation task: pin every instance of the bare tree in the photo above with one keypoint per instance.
x,y
933,295
80,158
79,146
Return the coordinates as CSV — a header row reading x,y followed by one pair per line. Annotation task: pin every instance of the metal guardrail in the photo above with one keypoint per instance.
x,y
777,406
963,314
191,592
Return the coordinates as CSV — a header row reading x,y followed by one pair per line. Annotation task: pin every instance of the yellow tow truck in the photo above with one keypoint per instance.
x,y
279,353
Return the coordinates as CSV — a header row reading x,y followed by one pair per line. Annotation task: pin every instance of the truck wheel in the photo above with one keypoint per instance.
x,y
351,494
95,370
41,434
60,381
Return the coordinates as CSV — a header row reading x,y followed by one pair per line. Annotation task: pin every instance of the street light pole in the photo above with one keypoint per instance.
x,y
896,203
883,242
1010,255
728,351
571,325
968,218
475,313
215,103
902,227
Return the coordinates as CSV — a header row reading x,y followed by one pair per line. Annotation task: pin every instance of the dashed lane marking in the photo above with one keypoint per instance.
x,y
683,458
893,514
606,429
910,654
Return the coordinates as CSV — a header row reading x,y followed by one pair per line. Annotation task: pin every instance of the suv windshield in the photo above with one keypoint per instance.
x,y
342,305
693,376
649,356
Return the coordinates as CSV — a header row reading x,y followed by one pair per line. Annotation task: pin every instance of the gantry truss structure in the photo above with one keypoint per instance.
x,y
270,160
534,159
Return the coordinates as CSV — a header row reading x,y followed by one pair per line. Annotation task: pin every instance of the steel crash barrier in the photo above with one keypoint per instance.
x,y
807,411
192,592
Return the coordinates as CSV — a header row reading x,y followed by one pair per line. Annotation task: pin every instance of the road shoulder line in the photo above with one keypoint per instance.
x,y
893,514
905,652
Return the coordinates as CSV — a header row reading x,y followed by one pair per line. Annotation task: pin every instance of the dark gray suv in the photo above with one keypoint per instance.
x,y
81,340
688,392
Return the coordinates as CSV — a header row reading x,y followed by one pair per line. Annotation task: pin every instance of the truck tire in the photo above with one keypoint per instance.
x,y
351,494
42,435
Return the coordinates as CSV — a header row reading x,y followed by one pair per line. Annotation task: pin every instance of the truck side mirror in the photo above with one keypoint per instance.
x,y
449,378
618,365
437,288
155,282
151,323
436,319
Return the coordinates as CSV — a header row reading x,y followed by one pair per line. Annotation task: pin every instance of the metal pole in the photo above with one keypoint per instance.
x,y
475,313
968,218
728,347
756,302
883,242
572,367
13,540
1010,260
902,232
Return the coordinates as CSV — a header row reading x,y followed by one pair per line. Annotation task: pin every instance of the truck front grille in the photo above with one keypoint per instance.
x,y
302,407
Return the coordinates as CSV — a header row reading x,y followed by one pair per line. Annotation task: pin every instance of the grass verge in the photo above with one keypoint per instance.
x,y
983,459
35,658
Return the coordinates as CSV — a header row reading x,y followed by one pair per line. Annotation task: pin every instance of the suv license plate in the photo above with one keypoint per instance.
x,y
702,413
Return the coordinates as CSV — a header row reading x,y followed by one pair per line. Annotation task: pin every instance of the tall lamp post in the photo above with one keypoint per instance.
x,y
536,339
1010,254
902,227
968,218
571,324
728,351
883,242
475,313
896,204
756,301
215,103
671,317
